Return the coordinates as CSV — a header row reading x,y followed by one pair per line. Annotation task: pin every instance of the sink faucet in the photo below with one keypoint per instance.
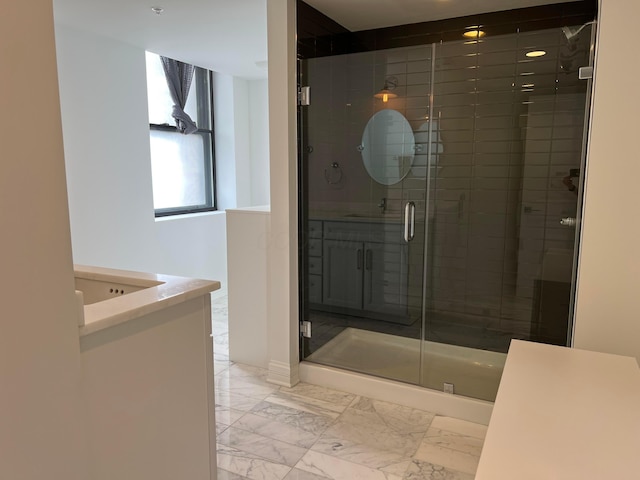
x,y
382,205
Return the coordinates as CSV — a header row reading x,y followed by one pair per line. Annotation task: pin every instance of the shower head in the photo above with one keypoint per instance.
x,y
571,32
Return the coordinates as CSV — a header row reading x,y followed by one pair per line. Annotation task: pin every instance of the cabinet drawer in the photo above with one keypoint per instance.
x,y
363,232
315,229
315,288
315,265
315,247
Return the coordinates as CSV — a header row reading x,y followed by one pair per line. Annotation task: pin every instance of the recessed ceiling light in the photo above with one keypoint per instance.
x,y
474,34
157,10
536,53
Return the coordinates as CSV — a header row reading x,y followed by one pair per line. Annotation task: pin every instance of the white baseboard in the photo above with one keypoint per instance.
x,y
283,374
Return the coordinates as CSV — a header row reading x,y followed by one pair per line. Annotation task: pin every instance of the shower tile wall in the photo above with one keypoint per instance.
x,y
506,130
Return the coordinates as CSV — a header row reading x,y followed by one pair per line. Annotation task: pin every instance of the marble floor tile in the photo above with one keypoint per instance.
x,y
225,475
276,430
446,457
334,397
221,343
338,469
427,471
227,416
249,465
296,474
243,386
454,441
220,366
304,404
221,357
220,427
219,308
368,429
248,371
236,401
459,426
306,421
396,417
258,445
371,454
307,432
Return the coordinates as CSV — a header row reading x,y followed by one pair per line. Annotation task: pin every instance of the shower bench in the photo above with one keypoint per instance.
x,y
563,413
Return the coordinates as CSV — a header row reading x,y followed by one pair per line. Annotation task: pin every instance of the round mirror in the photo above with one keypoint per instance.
x,y
388,147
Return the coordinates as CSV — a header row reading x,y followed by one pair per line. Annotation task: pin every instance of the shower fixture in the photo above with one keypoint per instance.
x,y
574,53
571,32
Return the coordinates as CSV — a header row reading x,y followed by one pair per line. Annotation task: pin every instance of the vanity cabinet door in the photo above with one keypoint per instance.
x,y
385,279
342,266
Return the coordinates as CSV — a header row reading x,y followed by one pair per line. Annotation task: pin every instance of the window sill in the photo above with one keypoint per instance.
x,y
185,216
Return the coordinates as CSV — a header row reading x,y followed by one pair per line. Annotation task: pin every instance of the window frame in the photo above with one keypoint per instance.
x,y
204,87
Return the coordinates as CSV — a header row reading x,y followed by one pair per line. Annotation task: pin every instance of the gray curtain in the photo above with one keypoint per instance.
x,y
179,76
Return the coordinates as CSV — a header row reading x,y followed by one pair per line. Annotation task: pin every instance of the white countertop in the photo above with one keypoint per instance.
x,y
564,414
257,209
170,290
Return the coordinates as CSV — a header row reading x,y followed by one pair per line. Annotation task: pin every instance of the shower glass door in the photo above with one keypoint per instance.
x,y
502,201
439,192
364,158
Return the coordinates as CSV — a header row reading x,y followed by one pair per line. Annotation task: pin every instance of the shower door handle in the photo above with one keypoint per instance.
x,y
409,221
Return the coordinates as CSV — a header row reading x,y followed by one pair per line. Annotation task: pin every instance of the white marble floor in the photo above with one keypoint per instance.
x,y
266,432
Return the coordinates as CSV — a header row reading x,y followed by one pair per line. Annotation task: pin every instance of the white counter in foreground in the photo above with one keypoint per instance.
x,y
564,414
147,375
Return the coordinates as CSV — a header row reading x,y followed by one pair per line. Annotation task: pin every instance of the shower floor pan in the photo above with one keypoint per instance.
x,y
473,373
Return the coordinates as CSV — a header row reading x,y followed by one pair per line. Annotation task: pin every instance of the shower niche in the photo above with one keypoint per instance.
x,y
442,233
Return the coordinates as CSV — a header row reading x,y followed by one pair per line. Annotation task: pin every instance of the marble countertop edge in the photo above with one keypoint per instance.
x,y
162,291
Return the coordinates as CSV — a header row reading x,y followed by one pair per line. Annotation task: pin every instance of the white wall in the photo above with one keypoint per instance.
x,y
242,141
41,434
225,140
282,284
106,140
259,127
608,314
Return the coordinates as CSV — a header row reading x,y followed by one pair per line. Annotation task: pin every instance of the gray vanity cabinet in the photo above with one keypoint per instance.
x,y
385,279
342,262
365,270
314,250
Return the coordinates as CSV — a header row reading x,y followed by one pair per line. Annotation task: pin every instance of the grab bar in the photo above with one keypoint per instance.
x,y
409,221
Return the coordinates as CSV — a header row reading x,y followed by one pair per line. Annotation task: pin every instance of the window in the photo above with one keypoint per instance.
x,y
182,166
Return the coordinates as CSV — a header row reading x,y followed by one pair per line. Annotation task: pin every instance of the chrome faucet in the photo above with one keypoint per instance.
x,y
382,205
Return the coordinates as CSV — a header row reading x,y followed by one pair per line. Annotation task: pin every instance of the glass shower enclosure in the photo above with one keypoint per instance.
x,y
440,187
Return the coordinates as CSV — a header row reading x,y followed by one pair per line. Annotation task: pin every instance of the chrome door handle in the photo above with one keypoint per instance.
x,y
368,259
409,221
568,222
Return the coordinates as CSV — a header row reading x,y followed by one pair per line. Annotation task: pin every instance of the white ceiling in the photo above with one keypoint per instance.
x,y
230,36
